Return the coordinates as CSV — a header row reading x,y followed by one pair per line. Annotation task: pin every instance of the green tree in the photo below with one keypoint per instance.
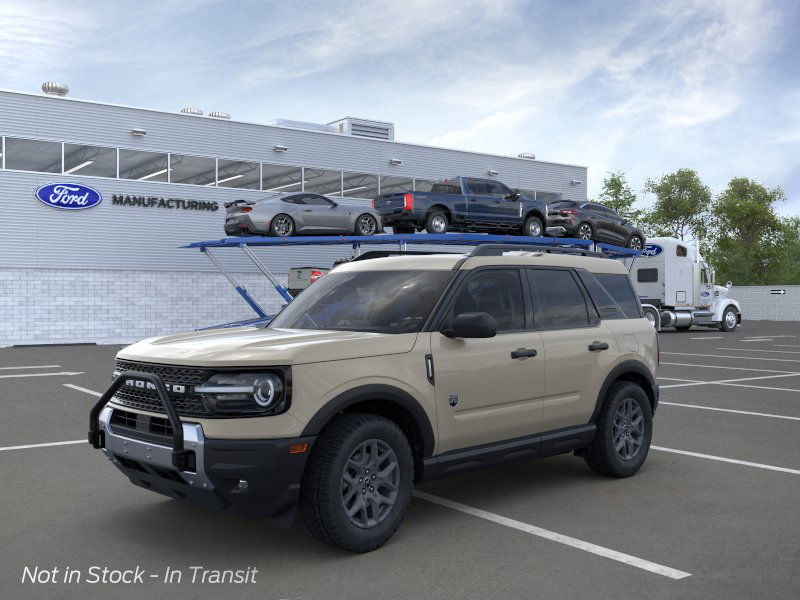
x,y
681,206
617,194
749,244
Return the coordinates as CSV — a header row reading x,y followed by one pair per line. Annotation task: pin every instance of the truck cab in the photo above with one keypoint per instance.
x,y
677,288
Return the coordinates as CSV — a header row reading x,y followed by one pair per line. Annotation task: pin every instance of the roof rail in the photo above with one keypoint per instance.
x,y
385,253
499,249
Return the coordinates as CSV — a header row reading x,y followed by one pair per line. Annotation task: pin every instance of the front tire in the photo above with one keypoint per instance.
x,y
281,226
729,320
436,222
357,485
635,243
366,224
624,431
533,227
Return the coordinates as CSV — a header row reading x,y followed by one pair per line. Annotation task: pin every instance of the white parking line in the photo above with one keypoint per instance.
x,y
556,537
31,367
730,410
738,357
754,350
727,460
787,345
710,337
761,387
723,367
691,382
43,445
759,340
40,374
82,389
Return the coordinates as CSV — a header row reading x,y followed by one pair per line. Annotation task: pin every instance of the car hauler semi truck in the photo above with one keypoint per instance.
x,y
676,288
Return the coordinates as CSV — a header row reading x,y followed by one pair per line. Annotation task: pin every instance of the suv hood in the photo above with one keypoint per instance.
x,y
256,346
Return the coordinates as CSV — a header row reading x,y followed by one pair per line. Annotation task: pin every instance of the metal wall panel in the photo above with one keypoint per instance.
x,y
138,238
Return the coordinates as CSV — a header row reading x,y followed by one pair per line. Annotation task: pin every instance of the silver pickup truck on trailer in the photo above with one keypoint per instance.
x,y
676,288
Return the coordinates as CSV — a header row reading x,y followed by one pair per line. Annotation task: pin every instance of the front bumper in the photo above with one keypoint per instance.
x,y
248,478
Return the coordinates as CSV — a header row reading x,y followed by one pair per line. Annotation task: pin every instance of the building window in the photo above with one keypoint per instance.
x,y
396,185
238,174
33,155
194,170
97,161
359,185
280,178
321,181
423,185
144,166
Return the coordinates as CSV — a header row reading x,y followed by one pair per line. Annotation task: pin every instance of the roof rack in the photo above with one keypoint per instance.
x,y
499,249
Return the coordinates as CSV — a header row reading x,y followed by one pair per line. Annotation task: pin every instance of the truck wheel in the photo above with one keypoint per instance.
x,y
366,225
436,222
729,320
281,226
653,316
357,484
624,430
533,227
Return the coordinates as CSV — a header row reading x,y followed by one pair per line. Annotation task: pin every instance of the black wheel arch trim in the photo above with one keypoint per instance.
x,y
375,392
622,369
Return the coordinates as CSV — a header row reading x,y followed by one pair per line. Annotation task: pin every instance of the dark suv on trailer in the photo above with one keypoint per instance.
x,y
593,221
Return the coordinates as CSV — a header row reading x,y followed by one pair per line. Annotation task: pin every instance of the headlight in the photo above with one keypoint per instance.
x,y
245,393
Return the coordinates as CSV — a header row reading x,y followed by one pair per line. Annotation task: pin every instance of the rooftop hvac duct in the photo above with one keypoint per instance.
x,y
51,88
302,125
219,115
192,111
527,155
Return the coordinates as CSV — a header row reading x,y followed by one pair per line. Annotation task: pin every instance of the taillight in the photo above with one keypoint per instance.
x,y
246,209
373,203
315,275
408,201
569,212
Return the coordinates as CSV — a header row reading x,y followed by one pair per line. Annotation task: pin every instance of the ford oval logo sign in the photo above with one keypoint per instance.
x,y
652,250
68,196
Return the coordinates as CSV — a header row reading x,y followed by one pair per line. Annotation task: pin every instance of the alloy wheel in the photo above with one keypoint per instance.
x,y
635,243
439,223
370,483
585,231
628,429
366,225
534,229
282,226
730,319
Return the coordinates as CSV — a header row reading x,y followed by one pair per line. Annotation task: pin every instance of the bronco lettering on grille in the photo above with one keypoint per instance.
x,y
146,385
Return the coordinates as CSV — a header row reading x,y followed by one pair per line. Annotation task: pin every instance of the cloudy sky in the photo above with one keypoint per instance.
x,y
641,87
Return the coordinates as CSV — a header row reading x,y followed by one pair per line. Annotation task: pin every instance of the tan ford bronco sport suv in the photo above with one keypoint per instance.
x,y
385,373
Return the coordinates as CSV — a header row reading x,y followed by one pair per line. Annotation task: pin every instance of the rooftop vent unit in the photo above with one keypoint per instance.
x,y
527,155
219,115
192,111
51,88
302,125
376,130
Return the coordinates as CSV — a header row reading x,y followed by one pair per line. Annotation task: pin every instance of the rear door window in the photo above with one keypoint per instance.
x,y
558,299
497,292
618,286
477,187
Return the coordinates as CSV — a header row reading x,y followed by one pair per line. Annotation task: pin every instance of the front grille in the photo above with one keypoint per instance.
x,y
141,427
186,404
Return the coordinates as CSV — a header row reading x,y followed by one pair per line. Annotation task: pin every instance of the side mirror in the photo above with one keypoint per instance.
x,y
334,204
729,285
472,325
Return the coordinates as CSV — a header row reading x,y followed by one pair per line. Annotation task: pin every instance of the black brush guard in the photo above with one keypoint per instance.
x,y
96,436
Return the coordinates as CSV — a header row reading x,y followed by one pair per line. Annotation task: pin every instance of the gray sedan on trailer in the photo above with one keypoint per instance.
x,y
300,213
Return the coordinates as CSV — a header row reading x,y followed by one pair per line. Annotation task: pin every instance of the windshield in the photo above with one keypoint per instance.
x,y
376,301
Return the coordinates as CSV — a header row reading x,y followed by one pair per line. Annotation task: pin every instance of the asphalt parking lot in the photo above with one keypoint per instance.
x,y
712,514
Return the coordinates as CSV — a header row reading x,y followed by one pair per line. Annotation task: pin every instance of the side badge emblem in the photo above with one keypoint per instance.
x,y
452,399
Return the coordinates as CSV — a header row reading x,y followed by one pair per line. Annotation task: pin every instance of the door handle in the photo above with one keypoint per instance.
x,y
523,353
308,210
596,346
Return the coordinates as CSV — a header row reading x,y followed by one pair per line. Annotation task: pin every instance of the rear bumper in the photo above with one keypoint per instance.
x,y
243,225
248,478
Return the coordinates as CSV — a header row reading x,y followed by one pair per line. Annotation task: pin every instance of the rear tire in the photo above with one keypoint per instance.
x,y
624,431
635,243
352,448
436,222
366,225
584,232
281,226
730,321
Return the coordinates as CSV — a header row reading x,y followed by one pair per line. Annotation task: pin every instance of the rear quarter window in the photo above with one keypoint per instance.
x,y
613,295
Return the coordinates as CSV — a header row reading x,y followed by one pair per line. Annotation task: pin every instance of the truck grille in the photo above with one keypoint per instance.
x,y
186,404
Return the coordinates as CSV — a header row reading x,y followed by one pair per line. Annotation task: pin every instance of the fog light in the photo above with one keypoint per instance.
x,y
243,485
